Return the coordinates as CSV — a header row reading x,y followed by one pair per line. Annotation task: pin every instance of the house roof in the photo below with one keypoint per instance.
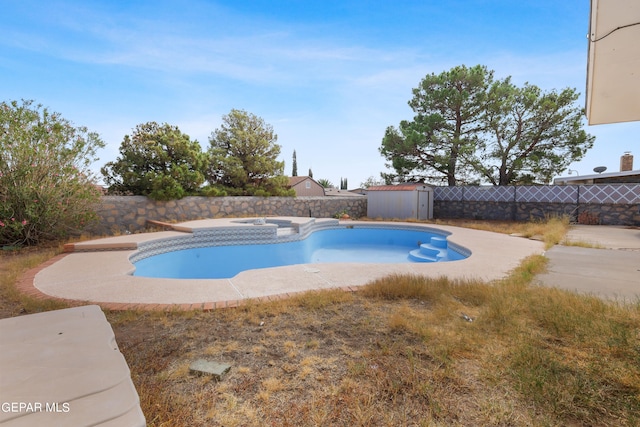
x,y
338,192
295,180
583,178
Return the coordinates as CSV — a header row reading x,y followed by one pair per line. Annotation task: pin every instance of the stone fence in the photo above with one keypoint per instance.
x,y
118,214
607,204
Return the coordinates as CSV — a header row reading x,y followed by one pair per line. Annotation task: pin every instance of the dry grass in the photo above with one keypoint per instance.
x,y
401,352
582,244
405,350
551,231
12,265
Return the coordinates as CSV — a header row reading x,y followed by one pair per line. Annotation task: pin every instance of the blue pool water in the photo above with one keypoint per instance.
x,y
357,245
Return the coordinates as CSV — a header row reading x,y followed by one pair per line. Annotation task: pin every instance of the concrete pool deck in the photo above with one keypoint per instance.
x,y
102,274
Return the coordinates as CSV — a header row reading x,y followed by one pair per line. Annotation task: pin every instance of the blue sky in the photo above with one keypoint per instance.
x,y
329,76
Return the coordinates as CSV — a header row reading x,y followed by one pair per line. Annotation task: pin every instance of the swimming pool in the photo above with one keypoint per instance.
x,y
101,270
335,245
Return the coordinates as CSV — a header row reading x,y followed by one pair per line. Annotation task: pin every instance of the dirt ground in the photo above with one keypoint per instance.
x,y
337,364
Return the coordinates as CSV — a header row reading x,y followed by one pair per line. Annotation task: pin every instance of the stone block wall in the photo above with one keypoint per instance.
x,y
503,211
464,209
527,211
606,204
608,214
590,204
584,213
118,214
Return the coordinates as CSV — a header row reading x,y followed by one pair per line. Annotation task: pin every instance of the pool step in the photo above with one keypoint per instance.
x,y
286,231
433,251
439,242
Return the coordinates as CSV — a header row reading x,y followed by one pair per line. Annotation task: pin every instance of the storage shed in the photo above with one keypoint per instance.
x,y
403,201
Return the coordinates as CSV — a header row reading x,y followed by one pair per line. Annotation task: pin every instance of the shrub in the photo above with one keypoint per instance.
x,y
209,191
46,189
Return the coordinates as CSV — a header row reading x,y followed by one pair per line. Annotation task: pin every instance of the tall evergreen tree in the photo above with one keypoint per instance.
x,y
243,157
294,172
444,130
469,128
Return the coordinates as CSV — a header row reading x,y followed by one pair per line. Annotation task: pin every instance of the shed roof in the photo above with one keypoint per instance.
x,y
407,186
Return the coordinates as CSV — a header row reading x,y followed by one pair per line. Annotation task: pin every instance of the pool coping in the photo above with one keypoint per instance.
x,y
98,271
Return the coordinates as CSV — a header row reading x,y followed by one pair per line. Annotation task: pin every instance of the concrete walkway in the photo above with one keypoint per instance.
x,y
64,368
611,271
105,277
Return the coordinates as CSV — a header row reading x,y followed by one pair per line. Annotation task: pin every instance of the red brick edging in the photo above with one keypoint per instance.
x,y
25,284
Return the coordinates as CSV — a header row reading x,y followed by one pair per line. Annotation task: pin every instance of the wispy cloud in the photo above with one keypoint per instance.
x,y
328,76
277,55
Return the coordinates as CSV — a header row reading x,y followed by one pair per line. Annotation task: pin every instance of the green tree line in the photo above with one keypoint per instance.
x,y
163,163
468,128
48,191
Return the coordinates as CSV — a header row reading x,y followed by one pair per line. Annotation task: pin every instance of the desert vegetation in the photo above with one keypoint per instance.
x,y
46,188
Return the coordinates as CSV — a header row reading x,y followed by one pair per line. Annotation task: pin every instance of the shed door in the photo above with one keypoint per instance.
x,y
423,205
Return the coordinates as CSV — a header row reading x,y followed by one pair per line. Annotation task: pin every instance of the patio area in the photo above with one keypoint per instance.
x,y
100,272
